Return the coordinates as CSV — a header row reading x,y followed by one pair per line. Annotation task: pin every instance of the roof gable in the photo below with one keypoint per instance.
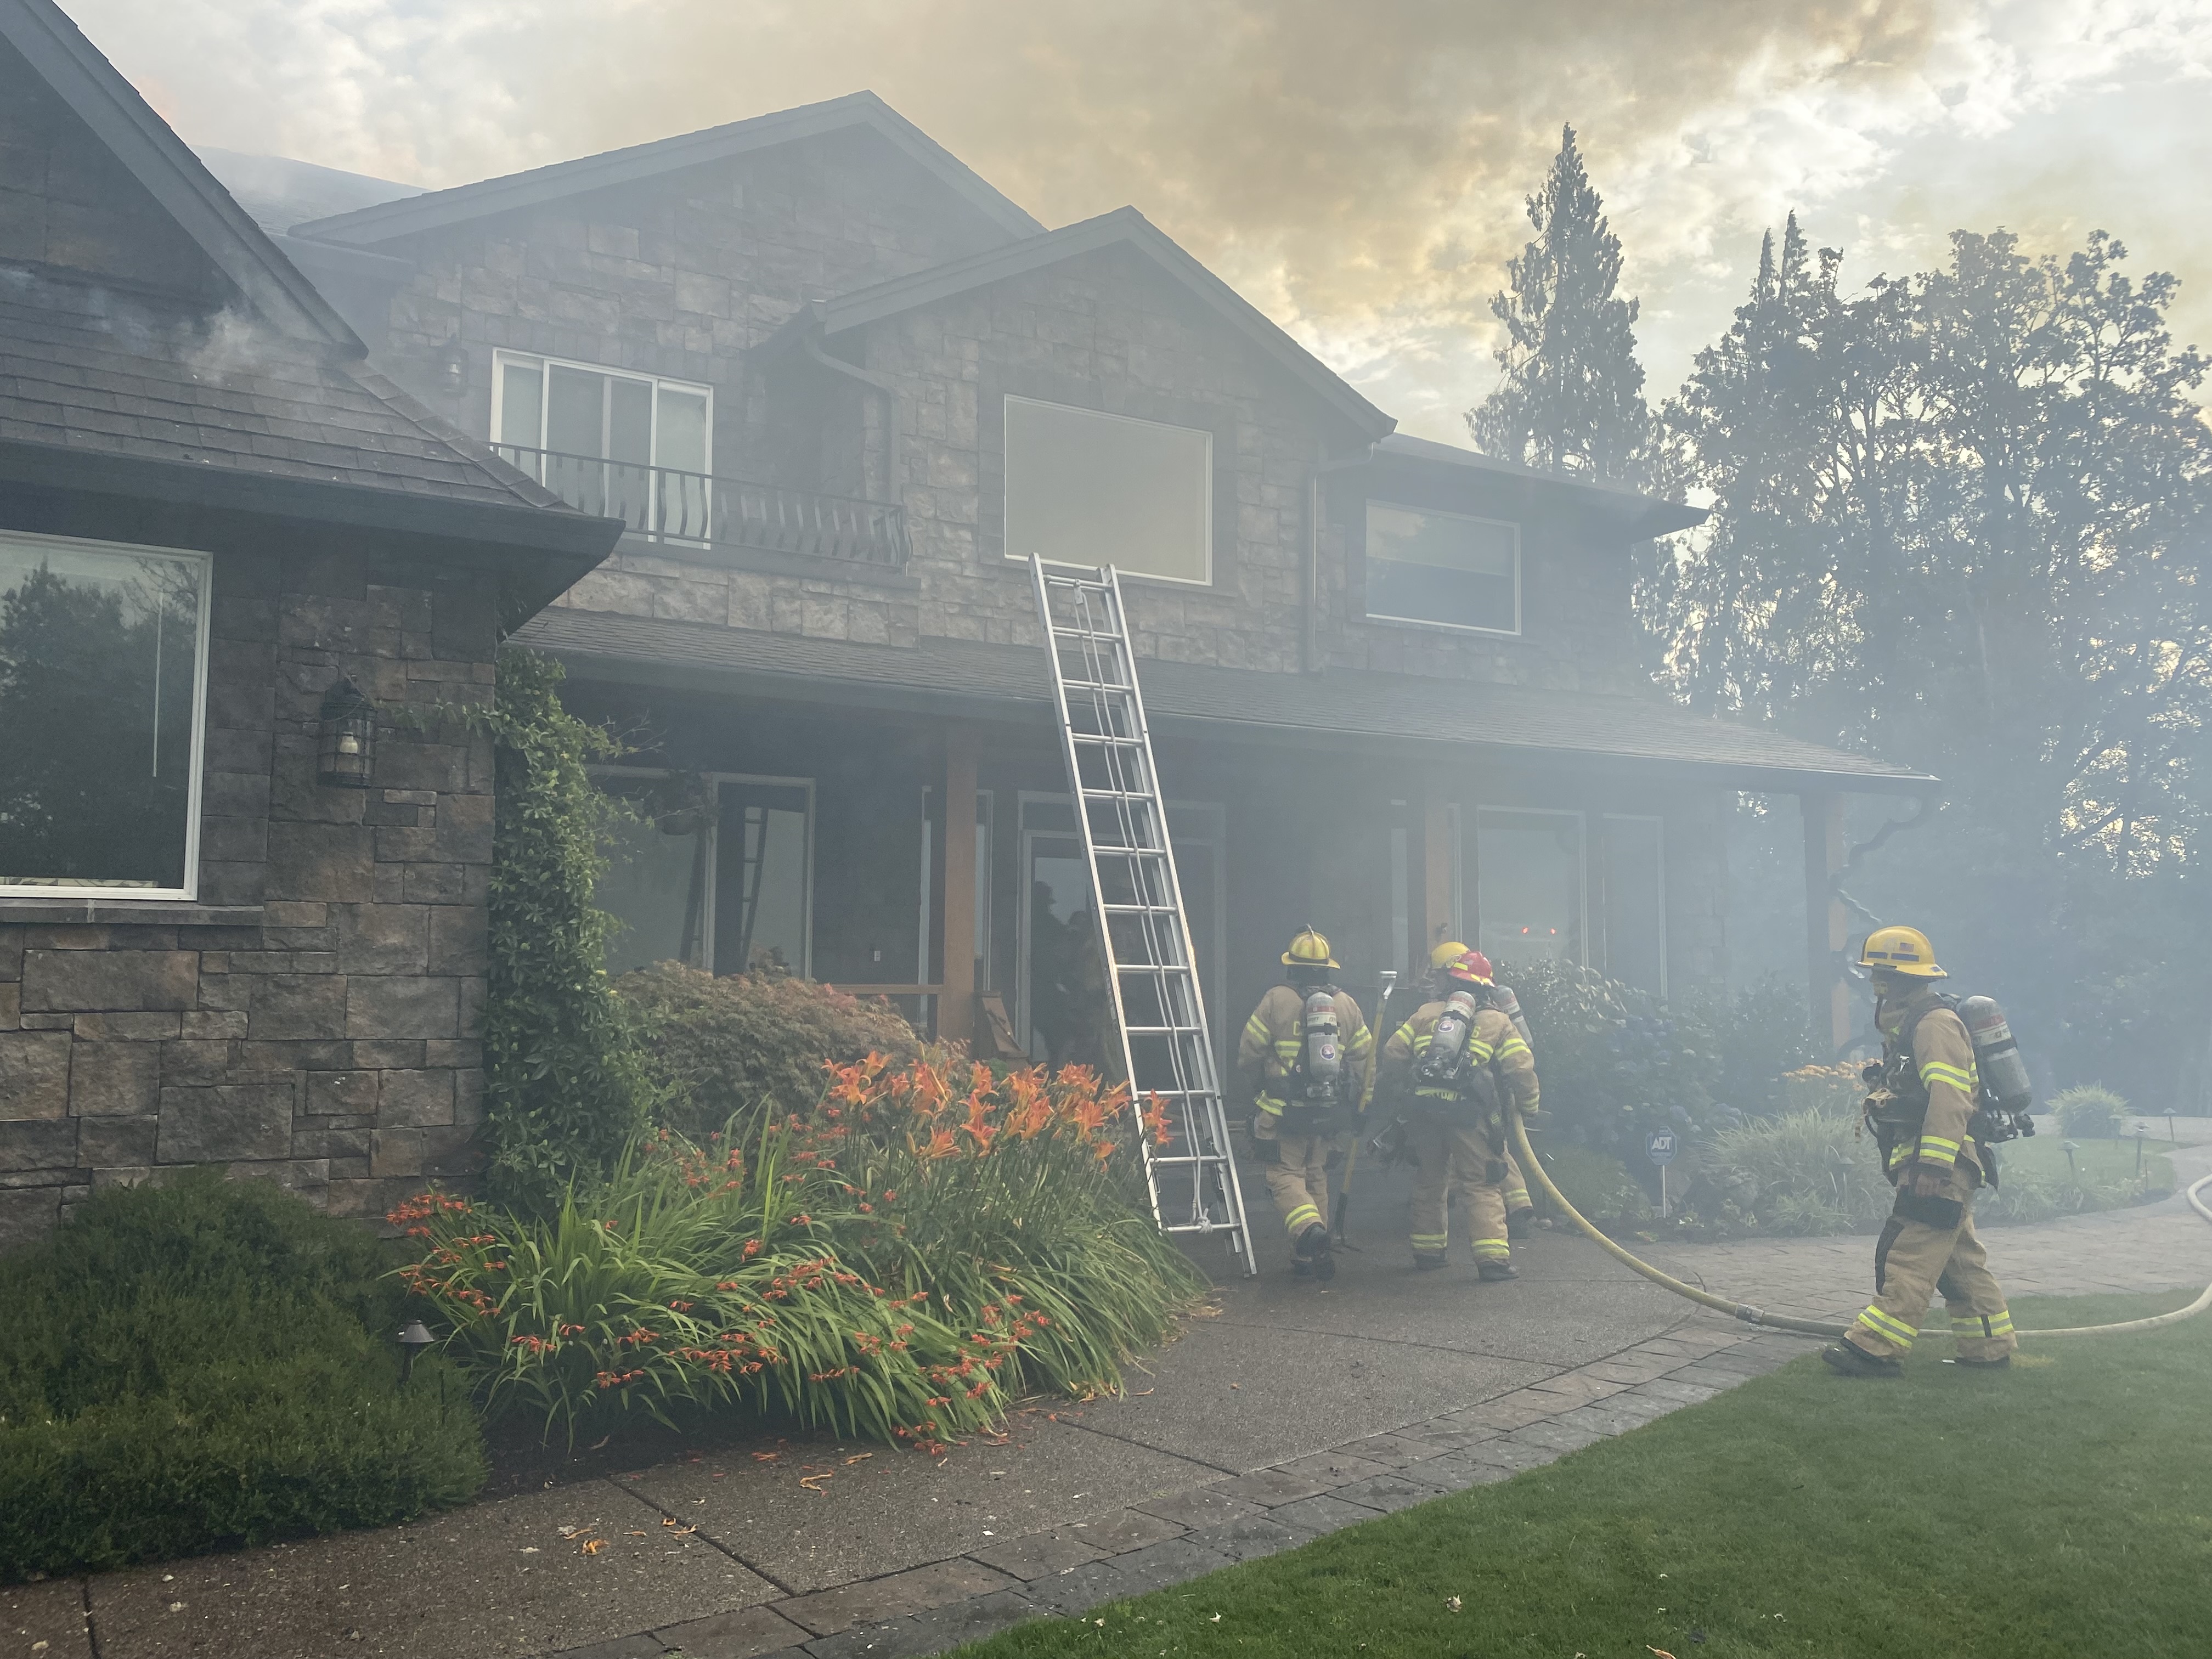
x,y
437,208
1122,228
121,121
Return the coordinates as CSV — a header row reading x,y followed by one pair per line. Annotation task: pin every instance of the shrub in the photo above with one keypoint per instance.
x,y
1614,1061
1598,1185
2090,1111
1762,1036
724,1050
205,1365
928,1242
1794,1174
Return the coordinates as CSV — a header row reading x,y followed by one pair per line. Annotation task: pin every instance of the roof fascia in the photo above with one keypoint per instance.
x,y
192,196
1644,516
436,209
1124,226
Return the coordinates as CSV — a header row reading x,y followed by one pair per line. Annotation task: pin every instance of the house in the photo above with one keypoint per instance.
x,y
838,389
242,889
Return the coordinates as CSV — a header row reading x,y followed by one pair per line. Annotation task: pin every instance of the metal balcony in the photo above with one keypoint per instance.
x,y
700,509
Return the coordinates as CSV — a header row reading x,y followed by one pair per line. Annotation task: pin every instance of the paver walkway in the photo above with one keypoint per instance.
x,y
1286,1413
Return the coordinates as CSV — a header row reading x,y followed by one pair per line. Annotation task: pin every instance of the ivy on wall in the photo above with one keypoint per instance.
x,y
564,1087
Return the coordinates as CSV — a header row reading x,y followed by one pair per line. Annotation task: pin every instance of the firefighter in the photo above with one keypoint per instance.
x,y
1445,1065
1304,1052
1922,1111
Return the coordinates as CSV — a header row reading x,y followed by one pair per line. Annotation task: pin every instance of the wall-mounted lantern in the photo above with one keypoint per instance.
x,y
345,748
453,364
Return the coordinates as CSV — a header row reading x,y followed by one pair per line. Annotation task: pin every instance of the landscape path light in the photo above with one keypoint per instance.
x,y
2169,1122
2139,1142
2069,1148
414,1337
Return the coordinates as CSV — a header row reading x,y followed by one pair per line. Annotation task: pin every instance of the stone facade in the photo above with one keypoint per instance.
x,y
314,1018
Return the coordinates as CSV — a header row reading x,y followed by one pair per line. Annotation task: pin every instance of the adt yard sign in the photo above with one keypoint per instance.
x,y
1659,1147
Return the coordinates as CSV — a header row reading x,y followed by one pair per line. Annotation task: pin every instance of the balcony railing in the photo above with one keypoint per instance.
x,y
700,509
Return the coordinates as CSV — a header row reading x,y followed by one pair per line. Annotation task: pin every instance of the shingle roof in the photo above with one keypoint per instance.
x,y
177,179
1123,227
1644,515
90,369
1356,706
368,227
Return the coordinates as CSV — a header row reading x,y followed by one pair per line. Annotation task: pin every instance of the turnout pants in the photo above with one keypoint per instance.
x,y
1454,1158
1517,1187
1924,1250
1299,1181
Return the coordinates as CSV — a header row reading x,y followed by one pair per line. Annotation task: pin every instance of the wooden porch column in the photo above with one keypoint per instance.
x,y
1827,987
956,1007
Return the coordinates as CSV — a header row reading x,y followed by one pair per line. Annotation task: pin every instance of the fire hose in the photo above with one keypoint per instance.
x,y
1751,1315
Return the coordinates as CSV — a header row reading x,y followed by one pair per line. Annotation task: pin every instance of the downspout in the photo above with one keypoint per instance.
x,y
1309,645
895,483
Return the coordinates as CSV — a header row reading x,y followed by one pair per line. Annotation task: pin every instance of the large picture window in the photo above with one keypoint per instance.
x,y
1443,568
1084,488
630,447
103,688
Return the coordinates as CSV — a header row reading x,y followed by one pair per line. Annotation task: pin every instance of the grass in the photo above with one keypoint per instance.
x,y
2064,1508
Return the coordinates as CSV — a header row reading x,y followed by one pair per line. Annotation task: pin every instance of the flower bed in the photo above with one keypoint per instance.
x,y
926,1242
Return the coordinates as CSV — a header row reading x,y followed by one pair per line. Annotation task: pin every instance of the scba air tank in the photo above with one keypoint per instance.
x,y
1447,1047
1996,1056
1324,1057
1502,1000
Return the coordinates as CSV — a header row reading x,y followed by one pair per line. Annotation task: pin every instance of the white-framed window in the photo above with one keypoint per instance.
x,y
103,703
1634,903
1442,569
714,869
631,447
1091,488
1531,894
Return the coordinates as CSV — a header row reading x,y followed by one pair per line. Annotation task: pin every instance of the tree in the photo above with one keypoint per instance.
x,y
1572,397
1961,520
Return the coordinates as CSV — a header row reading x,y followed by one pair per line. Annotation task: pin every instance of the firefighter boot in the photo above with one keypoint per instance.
x,y
1489,1271
1519,1223
1311,1252
1852,1360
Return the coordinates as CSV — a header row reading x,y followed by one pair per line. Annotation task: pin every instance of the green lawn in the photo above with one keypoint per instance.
x,y
2064,1508
2097,1160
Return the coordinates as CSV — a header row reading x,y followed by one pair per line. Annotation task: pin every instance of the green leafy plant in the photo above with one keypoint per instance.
x,y
1598,1185
2090,1110
565,1090
1614,1061
719,1050
896,1262
208,1364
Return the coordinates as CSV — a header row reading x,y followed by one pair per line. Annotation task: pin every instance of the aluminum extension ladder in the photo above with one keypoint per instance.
x,y
1166,1048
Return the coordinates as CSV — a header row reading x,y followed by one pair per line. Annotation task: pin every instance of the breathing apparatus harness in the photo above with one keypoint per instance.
x,y
1898,1107
1319,1086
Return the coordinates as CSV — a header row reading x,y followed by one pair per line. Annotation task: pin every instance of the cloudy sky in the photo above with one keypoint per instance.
x,y
1356,167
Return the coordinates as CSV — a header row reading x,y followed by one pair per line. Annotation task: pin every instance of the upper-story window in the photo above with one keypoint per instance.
x,y
1443,569
632,446
103,691
1084,488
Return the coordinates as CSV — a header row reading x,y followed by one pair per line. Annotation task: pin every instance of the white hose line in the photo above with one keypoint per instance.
x,y
2203,1302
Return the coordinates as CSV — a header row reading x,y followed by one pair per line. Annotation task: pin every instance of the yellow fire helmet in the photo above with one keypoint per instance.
x,y
1448,952
1901,950
1309,950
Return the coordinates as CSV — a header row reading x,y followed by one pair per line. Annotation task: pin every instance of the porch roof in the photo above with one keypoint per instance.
x,y
1340,709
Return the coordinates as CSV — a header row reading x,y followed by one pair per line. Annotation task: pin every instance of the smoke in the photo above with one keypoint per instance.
x,y
1356,171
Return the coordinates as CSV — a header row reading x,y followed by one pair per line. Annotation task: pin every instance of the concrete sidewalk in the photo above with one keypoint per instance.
x,y
1283,1413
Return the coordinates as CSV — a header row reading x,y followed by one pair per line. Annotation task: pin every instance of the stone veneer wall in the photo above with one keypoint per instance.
x,y
314,1018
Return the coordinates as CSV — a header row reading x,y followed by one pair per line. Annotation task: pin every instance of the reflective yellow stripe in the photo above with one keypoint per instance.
x,y
1428,1241
1936,1071
1888,1329
1299,1219
1494,1248
1273,1108
1934,1149
1512,1045
1899,1153
1286,1049
2000,1322
1479,1051
1256,1027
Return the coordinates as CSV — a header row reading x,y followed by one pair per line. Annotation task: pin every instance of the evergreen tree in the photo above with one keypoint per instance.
x,y
1572,397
